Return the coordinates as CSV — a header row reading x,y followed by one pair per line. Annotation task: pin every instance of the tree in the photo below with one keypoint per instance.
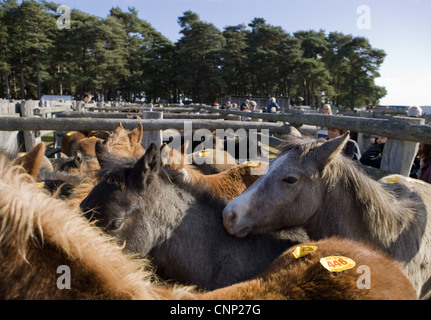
x,y
312,75
4,50
362,65
148,62
235,56
30,39
337,65
265,44
199,59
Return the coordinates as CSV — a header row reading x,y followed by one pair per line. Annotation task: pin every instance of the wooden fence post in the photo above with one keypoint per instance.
x,y
152,136
398,156
363,139
9,141
31,138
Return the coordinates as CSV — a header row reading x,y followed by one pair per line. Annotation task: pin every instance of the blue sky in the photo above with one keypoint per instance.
x,y
402,28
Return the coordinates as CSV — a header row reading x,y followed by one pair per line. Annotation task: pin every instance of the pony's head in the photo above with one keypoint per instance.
x,y
290,192
123,201
126,143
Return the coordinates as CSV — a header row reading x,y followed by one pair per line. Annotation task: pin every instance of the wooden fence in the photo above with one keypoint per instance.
x,y
404,133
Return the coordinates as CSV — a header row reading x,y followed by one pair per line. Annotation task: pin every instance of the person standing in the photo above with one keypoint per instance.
x,y
272,104
373,155
326,109
83,103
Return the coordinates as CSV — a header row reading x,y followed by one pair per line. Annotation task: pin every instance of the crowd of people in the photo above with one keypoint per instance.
x,y
250,106
372,157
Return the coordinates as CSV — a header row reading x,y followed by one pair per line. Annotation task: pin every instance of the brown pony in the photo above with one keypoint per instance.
x,y
225,185
69,142
373,277
126,143
35,162
40,236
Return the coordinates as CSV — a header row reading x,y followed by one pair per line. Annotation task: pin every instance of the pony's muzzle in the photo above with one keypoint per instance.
x,y
230,222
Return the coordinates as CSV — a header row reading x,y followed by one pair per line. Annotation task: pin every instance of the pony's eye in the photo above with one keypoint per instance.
x,y
114,225
290,180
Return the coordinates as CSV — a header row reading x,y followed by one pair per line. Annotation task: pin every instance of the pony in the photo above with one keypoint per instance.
x,y
69,142
374,276
225,185
35,162
74,177
126,143
312,185
153,212
43,243
42,240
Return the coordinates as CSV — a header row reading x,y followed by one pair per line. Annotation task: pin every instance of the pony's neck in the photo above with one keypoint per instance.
x,y
360,208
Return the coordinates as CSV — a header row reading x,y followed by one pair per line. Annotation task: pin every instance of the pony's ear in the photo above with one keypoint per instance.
x,y
140,176
102,154
294,132
329,150
32,160
137,133
79,158
118,128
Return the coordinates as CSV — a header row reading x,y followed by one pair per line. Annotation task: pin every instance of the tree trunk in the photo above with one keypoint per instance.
x,y
39,89
6,78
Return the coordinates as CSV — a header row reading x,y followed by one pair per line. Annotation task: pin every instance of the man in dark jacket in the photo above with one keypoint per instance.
x,y
373,156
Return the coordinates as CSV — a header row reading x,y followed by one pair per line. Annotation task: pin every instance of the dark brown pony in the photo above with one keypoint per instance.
x,y
69,142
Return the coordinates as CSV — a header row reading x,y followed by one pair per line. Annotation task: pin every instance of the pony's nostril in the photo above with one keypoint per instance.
x,y
230,218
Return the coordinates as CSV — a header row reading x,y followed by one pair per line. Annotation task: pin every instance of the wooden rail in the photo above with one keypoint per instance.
x,y
395,128
404,133
64,124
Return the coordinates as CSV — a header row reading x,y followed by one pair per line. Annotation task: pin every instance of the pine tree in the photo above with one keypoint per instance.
x,y
199,59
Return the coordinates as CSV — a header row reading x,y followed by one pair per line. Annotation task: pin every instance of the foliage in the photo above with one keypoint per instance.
x,y
124,57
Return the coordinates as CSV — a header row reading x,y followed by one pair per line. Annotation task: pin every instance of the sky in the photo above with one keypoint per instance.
x,y
402,28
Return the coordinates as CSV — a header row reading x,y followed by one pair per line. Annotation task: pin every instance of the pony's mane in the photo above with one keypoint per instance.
x,y
30,217
302,144
117,170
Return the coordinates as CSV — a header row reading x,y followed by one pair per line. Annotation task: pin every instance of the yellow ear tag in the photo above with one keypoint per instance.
x,y
337,263
40,184
253,164
203,153
393,179
21,154
303,251
70,133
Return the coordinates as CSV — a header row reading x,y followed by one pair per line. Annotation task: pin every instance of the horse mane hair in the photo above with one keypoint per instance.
x,y
302,144
30,217
117,170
